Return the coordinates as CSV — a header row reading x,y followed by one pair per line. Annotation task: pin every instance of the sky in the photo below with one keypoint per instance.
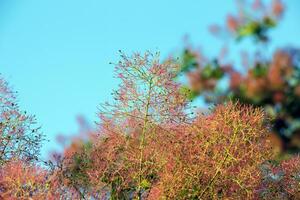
x,y
56,53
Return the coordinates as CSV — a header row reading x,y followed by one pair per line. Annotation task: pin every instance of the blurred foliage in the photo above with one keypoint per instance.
x,y
270,82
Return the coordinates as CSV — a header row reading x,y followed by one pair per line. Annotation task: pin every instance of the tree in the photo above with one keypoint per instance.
x,y
217,156
280,180
23,180
148,145
270,82
19,136
151,144
20,143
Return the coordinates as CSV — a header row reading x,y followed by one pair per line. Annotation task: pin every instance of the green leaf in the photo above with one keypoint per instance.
x,y
189,61
218,73
145,184
259,70
207,72
248,29
190,94
269,22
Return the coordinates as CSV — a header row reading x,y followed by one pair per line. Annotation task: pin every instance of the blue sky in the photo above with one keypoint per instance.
x,y
56,53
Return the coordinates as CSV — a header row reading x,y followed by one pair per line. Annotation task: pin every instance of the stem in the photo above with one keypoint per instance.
x,y
143,141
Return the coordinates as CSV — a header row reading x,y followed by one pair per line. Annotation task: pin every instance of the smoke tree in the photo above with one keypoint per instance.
x,y
19,136
267,80
148,145
20,143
